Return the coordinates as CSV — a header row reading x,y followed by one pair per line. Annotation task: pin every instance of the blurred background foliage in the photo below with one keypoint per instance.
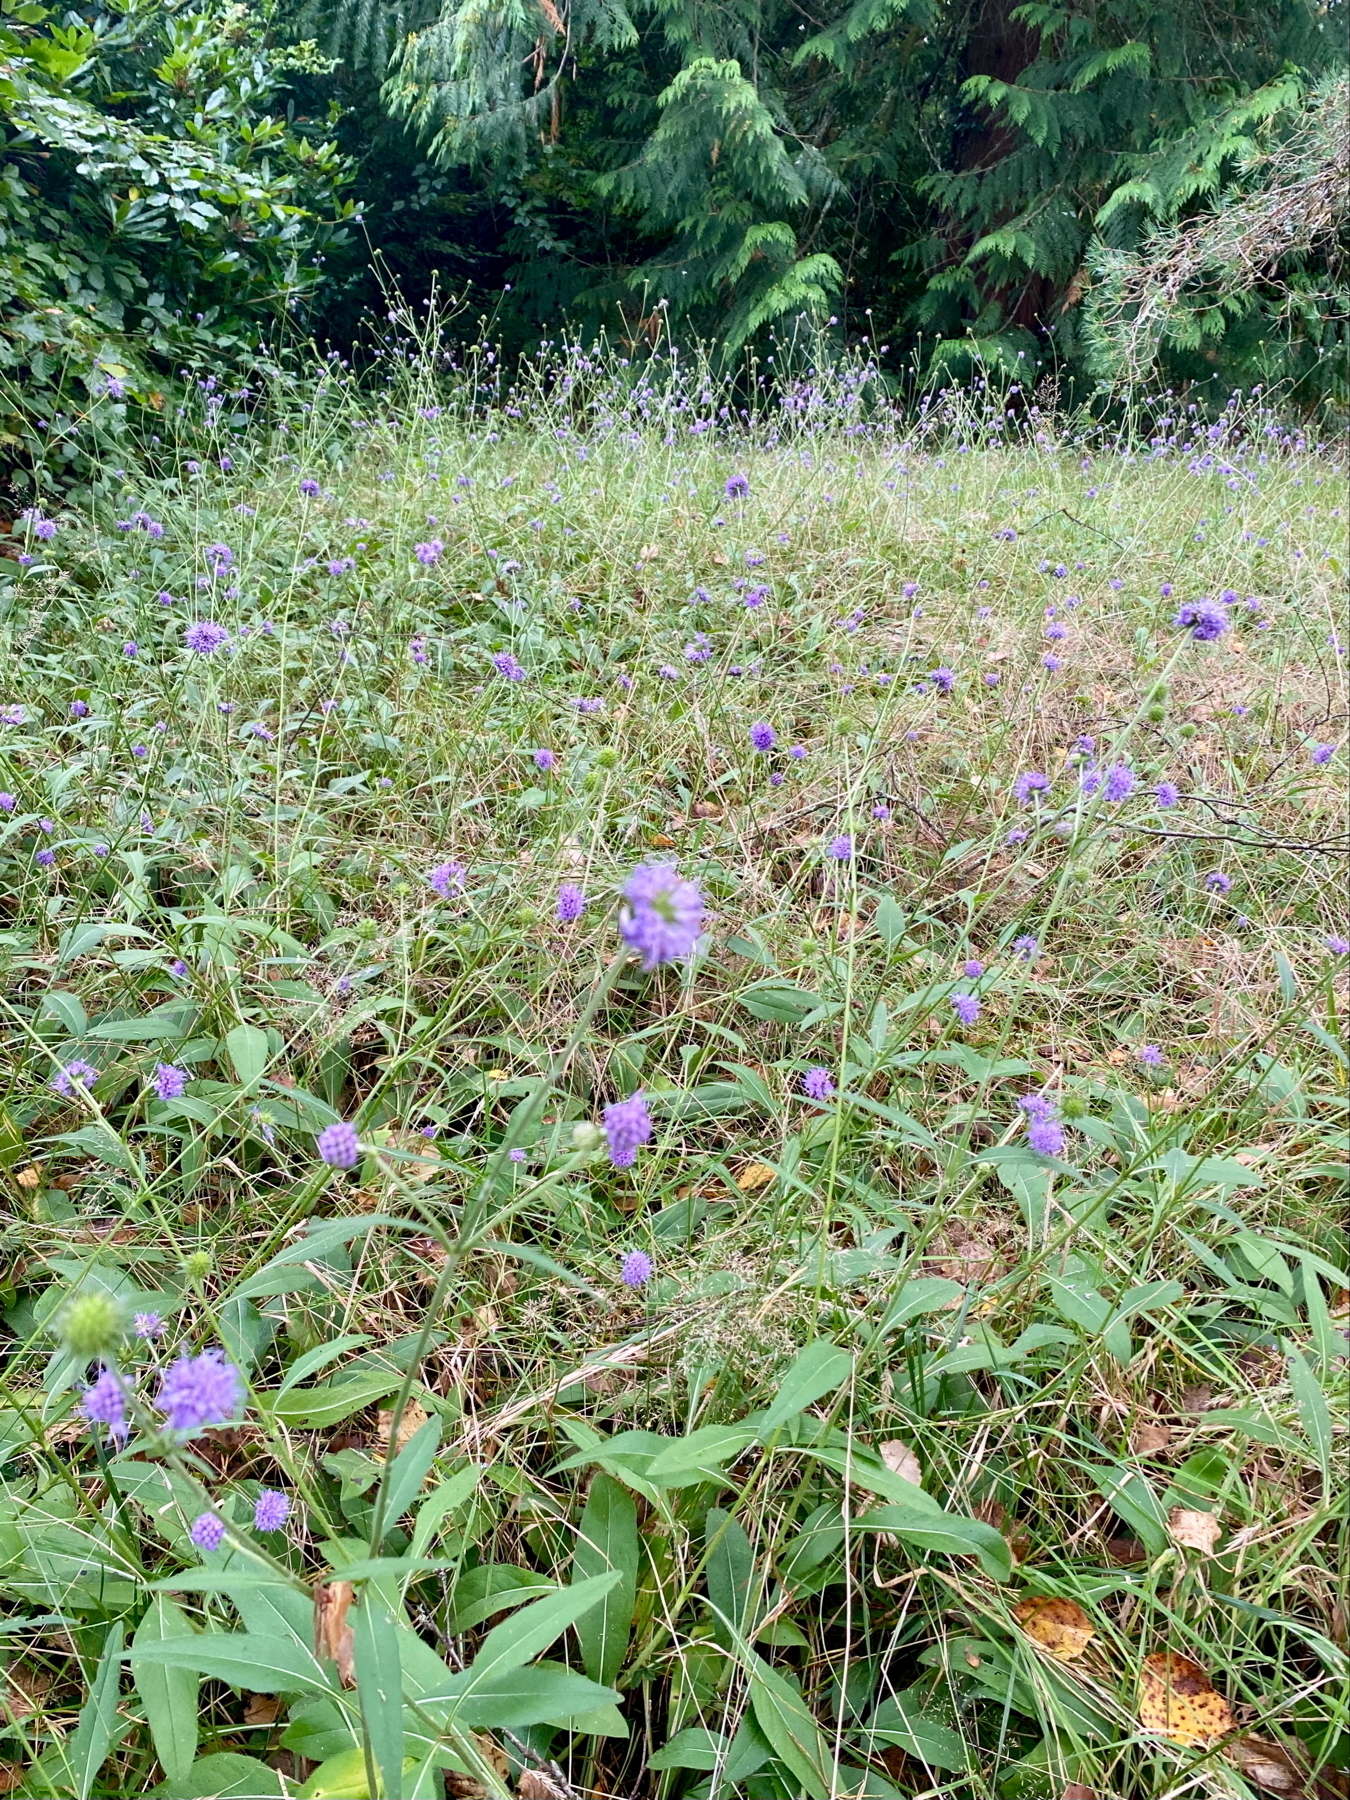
x,y
1115,192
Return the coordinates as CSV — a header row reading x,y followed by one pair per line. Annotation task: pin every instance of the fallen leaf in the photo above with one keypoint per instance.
x,y
11,1776
1056,1624
333,1638
459,1786
1178,1700
1194,1530
901,1460
1125,1550
262,1709
30,1177
1269,1766
660,841
756,1175
1197,1399
1147,1440
535,1785
649,552
1074,1790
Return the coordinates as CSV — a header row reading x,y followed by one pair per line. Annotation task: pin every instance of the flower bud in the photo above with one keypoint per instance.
x,y
91,1325
586,1136
197,1266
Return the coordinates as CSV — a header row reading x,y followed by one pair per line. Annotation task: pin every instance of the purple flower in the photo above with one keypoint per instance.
x,y
1218,883
571,903
1205,619
208,1531
447,878
627,1126
79,709
737,487
1045,1134
1052,663
1026,948
943,679
147,1326
798,753
1338,946
270,1510
841,847
45,858
178,967
8,802
763,736
220,556
45,529
636,1268
1031,782
517,1155
505,664
309,487
429,552
662,914
338,1145
1150,1055
1323,753
1168,794
1119,784
545,761
973,969
204,637
816,1083
105,1403
170,1083
966,1007
63,1082
12,715
198,1391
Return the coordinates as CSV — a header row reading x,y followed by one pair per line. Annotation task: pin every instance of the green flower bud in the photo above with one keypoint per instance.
x,y
91,1325
586,1136
1073,1106
366,930
606,757
197,1266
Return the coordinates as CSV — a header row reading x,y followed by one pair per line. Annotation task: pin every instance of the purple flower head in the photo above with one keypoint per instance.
x,y
1337,945
1045,1134
170,1083
943,679
506,665
147,1326
628,1125
45,858
447,878
338,1145
571,903
1322,754
763,736
517,1155
309,487
1205,619
198,1391
817,1084
63,1082
1026,948
204,637
841,848
105,1403
966,1007
1167,795
208,1531
1218,883
737,487
909,589
220,556
1052,663
661,915
45,529
798,753
972,969
636,1268
178,967
1028,784
1150,1055
429,552
270,1510
1119,784
12,715
79,709
545,761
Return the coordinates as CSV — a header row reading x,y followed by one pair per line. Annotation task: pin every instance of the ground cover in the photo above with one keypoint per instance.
x,y
674,1102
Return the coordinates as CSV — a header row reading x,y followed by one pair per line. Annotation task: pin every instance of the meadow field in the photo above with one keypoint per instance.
x,y
674,1096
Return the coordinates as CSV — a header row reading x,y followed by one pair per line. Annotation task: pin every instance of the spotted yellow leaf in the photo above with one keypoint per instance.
x,y
1178,1700
1056,1624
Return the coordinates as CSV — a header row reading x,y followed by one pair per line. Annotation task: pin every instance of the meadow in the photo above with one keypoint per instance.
x,y
674,1100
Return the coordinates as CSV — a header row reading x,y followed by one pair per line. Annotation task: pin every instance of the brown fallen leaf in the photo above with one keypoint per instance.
x,y
1122,1551
1057,1624
901,1460
262,1709
1178,1700
660,841
29,1177
756,1175
1074,1790
1269,1766
11,1777
468,1787
1194,1530
333,1638
534,1784
413,1417
1197,1399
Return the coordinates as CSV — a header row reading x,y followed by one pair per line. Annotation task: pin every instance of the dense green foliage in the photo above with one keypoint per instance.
x,y
156,209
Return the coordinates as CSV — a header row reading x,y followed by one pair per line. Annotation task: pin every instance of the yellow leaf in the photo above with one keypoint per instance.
x,y
1178,1700
754,1176
901,1460
1056,1624
1194,1530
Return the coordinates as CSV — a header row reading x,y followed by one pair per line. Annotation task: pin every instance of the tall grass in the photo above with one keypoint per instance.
x,y
902,1361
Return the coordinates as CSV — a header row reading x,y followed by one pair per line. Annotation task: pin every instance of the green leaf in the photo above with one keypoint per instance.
x,y
331,1402
490,1588
1136,1502
729,1573
607,1539
700,1454
1313,1411
547,1693
901,1720
786,1720
169,1696
693,1748
93,1735
409,1469
778,1002
258,1662
950,1532
525,1635
247,1049
226,1776
931,1293
379,1686
814,1372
